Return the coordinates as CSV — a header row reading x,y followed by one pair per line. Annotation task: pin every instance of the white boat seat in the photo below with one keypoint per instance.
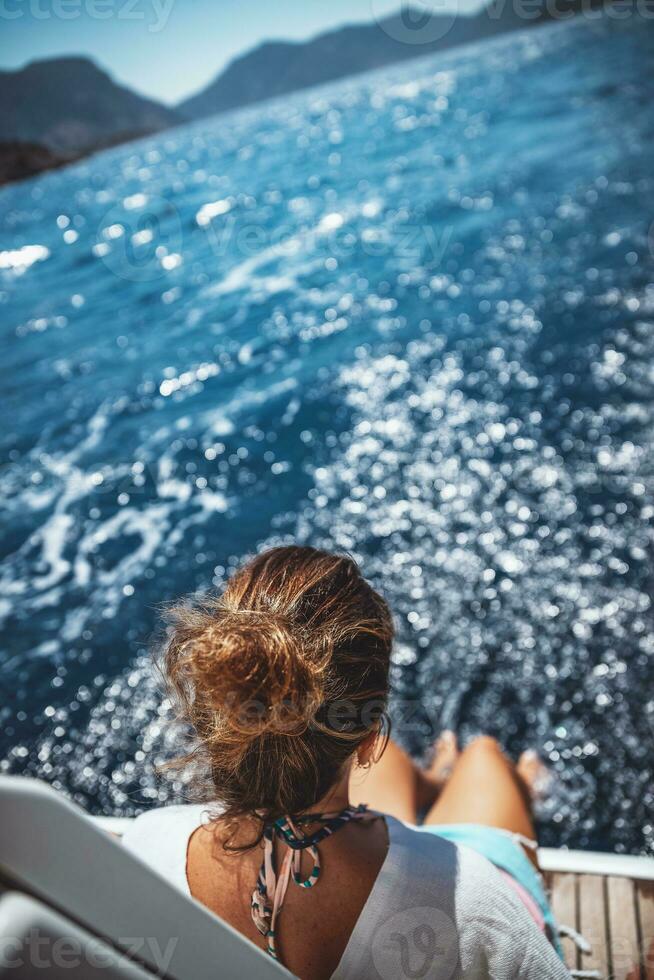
x,y
34,939
69,878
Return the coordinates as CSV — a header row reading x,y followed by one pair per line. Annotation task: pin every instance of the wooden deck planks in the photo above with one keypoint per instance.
x,y
623,929
616,917
564,905
592,923
645,905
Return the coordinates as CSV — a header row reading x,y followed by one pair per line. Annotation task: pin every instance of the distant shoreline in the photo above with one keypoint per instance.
x,y
21,159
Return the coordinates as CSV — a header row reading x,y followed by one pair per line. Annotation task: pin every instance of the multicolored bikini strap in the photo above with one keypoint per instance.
x,y
270,890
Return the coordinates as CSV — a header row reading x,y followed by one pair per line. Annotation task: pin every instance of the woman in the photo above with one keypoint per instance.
x,y
284,679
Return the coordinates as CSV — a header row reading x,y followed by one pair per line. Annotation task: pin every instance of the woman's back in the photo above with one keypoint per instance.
x,y
394,902
316,923
284,680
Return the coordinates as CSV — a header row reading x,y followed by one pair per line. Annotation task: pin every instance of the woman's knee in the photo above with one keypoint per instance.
x,y
484,745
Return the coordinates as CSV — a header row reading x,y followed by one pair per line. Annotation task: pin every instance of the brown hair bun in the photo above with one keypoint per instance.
x,y
250,667
265,673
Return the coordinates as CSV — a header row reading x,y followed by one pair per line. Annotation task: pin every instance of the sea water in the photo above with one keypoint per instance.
x,y
409,316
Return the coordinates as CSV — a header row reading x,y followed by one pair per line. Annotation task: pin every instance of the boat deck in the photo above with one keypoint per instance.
x,y
615,915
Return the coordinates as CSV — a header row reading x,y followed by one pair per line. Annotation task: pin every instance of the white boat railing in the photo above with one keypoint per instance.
x,y
550,858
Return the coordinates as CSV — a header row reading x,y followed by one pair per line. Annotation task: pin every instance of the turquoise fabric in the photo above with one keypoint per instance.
x,y
504,852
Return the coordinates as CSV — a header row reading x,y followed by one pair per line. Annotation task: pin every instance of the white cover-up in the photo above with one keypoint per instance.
x,y
437,910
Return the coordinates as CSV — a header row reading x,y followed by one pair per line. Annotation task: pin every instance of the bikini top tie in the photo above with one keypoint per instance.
x,y
270,890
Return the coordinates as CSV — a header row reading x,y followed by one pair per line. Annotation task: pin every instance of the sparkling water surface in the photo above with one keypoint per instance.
x,y
408,315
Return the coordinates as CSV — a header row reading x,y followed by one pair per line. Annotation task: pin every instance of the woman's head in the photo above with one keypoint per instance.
x,y
283,677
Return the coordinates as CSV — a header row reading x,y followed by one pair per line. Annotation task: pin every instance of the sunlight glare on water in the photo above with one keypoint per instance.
x,y
409,316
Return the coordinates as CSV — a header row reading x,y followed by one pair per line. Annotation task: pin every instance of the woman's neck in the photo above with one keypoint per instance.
x,y
335,799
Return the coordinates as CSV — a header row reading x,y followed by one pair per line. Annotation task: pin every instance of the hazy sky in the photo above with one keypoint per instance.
x,y
170,48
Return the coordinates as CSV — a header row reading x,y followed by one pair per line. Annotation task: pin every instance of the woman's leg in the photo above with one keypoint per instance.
x,y
485,788
389,785
396,785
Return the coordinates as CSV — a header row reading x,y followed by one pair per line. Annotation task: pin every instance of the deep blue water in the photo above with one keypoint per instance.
x,y
408,315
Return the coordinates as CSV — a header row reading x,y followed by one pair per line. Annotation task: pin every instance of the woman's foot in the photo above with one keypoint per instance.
x,y
445,754
534,774
433,777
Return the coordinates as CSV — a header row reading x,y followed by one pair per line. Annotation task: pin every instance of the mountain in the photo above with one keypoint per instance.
x,y
59,109
69,105
277,67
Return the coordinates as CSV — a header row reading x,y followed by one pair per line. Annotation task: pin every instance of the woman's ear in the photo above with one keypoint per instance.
x,y
366,749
